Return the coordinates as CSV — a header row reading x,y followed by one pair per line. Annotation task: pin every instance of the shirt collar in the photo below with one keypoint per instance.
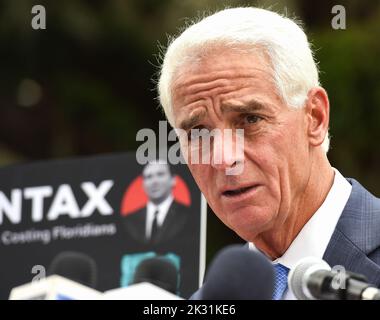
x,y
314,237
162,207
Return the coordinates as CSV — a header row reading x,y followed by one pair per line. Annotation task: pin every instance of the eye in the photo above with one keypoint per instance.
x,y
250,119
196,133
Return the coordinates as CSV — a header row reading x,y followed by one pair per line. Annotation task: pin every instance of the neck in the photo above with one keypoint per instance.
x,y
277,240
160,200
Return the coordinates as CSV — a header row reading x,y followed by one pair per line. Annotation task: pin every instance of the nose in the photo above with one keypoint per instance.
x,y
228,151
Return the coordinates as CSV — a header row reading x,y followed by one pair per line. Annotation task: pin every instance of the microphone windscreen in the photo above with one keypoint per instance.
x,y
75,266
238,273
298,275
158,271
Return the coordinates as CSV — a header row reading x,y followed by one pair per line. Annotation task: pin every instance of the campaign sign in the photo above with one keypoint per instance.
x,y
111,209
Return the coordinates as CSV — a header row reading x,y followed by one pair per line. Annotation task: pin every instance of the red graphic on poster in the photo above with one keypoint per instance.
x,y
135,197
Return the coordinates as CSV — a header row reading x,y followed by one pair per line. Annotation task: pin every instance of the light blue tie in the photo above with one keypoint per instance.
x,y
280,281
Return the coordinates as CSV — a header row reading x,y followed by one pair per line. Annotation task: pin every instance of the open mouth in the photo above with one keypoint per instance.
x,y
236,192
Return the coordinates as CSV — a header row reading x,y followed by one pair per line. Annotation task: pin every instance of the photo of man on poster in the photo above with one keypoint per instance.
x,y
163,217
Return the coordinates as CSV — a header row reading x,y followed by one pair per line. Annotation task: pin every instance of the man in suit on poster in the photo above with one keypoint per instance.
x,y
163,218
253,69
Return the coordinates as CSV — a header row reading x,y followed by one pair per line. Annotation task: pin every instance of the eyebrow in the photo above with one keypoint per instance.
x,y
194,119
252,106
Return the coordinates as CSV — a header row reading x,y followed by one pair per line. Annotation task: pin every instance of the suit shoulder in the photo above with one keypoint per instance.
x,y
181,208
360,220
135,214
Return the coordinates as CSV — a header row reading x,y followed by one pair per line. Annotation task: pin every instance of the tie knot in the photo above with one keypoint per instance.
x,y
281,269
280,281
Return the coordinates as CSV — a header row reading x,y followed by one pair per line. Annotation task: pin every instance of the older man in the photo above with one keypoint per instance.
x,y
252,69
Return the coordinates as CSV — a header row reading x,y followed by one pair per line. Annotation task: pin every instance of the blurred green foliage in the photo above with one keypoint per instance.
x,y
350,72
93,69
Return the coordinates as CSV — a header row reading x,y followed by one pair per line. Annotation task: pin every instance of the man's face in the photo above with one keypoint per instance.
x,y
231,90
158,182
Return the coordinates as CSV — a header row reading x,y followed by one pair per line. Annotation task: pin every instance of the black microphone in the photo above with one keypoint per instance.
x,y
158,271
312,279
75,266
238,273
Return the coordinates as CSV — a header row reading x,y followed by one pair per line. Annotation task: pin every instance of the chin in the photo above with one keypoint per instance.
x,y
248,223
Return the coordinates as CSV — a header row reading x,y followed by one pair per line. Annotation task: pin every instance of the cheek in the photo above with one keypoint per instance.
x,y
146,185
282,157
206,182
199,174
268,160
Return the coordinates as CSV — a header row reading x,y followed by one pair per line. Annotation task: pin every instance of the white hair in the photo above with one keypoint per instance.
x,y
293,68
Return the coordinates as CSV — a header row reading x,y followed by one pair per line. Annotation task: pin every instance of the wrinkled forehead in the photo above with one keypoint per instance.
x,y
220,70
216,56
216,59
154,168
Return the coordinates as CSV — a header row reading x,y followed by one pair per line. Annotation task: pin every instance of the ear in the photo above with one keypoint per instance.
x,y
317,110
174,181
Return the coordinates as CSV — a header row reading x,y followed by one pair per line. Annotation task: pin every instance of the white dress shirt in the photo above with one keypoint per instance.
x,y
162,208
314,237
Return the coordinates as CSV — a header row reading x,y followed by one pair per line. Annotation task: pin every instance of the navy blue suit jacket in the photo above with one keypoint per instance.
x,y
355,243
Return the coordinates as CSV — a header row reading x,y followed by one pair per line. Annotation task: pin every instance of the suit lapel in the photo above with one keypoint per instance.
x,y
142,223
341,251
166,229
349,245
